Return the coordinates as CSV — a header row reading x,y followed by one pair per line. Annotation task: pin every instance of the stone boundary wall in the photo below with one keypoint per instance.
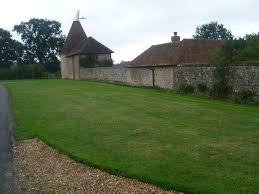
x,y
193,74
139,77
244,76
104,73
164,77
134,77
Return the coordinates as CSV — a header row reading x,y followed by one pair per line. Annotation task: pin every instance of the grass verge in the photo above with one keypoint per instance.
x,y
181,142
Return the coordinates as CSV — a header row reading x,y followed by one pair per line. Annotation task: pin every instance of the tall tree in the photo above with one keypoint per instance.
x,y
213,31
43,40
10,50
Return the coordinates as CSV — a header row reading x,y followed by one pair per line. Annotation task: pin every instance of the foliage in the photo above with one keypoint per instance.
x,y
58,75
238,50
122,63
232,52
244,96
128,130
202,88
32,71
214,31
29,71
5,74
88,61
43,40
10,50
220,86
219,90
185,89
242,49
107,63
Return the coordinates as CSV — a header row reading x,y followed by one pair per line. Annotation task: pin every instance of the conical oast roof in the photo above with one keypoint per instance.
x,y
75,36
88,47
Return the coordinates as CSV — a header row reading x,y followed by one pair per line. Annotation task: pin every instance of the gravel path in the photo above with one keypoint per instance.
x,y
39,168
6,176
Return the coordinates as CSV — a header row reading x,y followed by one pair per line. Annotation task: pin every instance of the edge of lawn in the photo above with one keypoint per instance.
x,y
162,184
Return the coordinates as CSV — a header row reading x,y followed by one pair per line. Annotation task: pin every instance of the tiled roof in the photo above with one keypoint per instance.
x,y
90,46
75,36
185,51
78,43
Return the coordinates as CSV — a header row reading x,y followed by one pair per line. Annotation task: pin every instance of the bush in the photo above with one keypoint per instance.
x,y
185,89
202,88
107,63
23,72
232,52
244,96
35,70
88,61
218,90
5,74
32,71
58,75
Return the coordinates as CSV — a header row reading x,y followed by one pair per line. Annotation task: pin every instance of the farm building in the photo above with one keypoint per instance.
x,y
187,51
165,65
80,50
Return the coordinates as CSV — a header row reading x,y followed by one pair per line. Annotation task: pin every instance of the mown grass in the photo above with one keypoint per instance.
x,y
176,142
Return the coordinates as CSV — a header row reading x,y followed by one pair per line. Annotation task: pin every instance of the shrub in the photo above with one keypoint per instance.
x,y
202,88
221,75
28,71
51,76
32,71
107,63
232,52
219,90
5,74
185,89
36,70
58,75
88,61
244,96
45,75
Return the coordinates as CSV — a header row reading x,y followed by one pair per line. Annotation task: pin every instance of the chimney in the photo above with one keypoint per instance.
x,y
175,38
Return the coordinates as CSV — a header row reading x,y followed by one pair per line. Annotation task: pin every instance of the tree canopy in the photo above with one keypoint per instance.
x,y
241,49
10,51
233,52
214,31
43,40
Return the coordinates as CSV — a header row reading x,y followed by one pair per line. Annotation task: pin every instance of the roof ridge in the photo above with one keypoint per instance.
x,y
203,39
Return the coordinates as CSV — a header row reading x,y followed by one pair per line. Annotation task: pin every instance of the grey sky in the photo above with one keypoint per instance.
x,y
129,27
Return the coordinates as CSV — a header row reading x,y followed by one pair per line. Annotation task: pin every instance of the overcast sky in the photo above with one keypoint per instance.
x,y
128,27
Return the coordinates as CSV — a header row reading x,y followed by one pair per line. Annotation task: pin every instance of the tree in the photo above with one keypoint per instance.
x,y
213,31
10,50
43,40
232,52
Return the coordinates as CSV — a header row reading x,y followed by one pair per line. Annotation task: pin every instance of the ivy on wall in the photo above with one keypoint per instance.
x,y
88,61
91,62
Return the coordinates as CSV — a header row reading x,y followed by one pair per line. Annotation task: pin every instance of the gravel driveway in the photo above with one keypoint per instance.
x,y
42,169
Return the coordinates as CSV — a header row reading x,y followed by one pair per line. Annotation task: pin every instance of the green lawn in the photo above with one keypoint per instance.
x,y
180,142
